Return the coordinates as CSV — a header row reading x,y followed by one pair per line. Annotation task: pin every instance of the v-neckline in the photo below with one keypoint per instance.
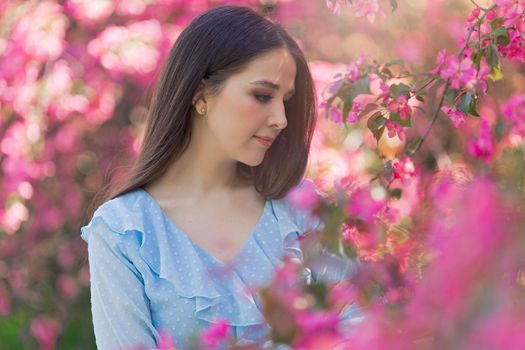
x,y
236,256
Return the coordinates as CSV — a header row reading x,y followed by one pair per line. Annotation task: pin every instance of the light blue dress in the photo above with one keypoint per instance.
x,y
148,276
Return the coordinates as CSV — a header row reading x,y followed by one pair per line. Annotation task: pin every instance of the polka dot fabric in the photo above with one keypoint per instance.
x,y
147,276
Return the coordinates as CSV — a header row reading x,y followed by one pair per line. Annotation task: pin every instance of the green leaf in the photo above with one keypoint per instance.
x,y
396,193
496,73
387,72
468,104
421,109
496,22
477,58
397,90
492,55
420,98
472,110
450,95
346,110
501,36
499,130
376,124
464,104
368,108
393,3
395,63
396,117
411,146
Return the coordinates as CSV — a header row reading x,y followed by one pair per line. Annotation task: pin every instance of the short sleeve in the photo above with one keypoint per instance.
x,y
120,307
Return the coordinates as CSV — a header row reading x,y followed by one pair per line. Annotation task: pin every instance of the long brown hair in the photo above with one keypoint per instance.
x,y
219,42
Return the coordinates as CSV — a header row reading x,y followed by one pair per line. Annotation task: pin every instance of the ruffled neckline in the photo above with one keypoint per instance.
x,y
218,261
157,240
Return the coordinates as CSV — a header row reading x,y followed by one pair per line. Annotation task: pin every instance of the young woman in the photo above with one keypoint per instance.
x,y
203,217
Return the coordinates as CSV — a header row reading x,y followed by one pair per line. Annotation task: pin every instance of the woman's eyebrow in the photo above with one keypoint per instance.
x,y
271,85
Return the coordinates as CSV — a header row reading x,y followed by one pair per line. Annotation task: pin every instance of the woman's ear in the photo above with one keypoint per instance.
x,y
198,98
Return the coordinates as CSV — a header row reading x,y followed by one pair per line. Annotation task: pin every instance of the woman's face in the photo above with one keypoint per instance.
x,y
250,104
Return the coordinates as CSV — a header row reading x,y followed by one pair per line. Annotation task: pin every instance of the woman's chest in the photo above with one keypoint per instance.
x,y
218,230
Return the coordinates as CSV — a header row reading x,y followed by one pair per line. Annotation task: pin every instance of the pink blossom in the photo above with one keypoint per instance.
x,y
41,33
474,14
304,196
317,321
394,129
481,84
131,49
441,60
316,341
318,329
334,5
513,110
483,146
67,287
46,330
364,242
460,73
354,113
400,105
166,341
336,115
367,8
364,205
385,90
13,217
66,256
90,12
515,48
216,333
404,170
456,116
353,69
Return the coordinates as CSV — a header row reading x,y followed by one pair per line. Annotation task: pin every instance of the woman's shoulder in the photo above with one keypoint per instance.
x,y
121,214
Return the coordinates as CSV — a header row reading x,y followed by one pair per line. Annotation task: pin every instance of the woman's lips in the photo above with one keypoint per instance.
x,y
265,141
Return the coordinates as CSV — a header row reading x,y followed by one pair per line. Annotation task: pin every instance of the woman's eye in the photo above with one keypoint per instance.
x,y
263,98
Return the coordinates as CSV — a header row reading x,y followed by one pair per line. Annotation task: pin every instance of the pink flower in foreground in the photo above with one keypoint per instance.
x,y
400,105
364,205
166,342
212,336
304,196
456,116
311,321
46,330
483,146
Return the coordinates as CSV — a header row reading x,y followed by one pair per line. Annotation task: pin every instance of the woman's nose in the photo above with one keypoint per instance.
x,y
279,118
